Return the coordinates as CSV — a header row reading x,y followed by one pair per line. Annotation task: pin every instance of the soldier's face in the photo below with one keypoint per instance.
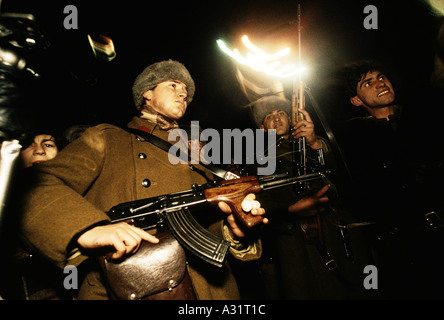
x,y
277,120
168,98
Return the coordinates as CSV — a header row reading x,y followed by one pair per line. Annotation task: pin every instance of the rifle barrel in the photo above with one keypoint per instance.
x,y
268,185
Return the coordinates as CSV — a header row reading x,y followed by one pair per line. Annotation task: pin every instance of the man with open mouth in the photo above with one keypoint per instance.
x,y
375,93
395,181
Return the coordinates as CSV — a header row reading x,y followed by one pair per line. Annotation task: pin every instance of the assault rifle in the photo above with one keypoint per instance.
x,y
173,210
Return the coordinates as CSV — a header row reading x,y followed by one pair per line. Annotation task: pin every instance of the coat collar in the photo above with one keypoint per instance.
x,y
142,124
148,125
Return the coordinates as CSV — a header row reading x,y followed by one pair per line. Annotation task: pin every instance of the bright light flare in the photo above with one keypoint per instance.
x,y
437,6
260,53
259,60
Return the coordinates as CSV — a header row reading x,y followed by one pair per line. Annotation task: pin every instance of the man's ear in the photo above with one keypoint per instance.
x,y
147,94
262,127
356,101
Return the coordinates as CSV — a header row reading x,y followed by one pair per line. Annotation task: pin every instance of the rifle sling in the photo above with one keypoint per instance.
x,y
166,146
183,226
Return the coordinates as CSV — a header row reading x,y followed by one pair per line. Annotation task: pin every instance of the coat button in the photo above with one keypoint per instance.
x,y
146,183
142,155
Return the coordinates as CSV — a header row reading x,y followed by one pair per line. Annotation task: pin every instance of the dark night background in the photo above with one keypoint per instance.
x,y
76,88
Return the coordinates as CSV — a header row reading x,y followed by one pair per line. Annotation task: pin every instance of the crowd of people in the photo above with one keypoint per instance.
x,y
313,241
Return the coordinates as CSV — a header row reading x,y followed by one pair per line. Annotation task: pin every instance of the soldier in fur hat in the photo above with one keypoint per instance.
x,y
64,214
297,257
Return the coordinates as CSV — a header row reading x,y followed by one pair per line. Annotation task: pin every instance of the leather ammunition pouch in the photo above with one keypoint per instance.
x,y
154,272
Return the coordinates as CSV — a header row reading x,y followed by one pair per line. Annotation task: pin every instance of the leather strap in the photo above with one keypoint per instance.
x,y
167,147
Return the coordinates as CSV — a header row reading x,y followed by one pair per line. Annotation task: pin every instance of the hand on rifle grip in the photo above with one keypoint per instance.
x,y
247,210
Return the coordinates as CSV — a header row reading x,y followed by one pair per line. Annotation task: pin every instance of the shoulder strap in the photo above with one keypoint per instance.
x,y
166,146
158,142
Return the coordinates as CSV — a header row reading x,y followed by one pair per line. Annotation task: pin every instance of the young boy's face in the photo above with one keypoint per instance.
x,y
43,148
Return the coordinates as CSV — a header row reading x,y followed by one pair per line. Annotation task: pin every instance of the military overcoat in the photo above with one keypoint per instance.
x,y
106,166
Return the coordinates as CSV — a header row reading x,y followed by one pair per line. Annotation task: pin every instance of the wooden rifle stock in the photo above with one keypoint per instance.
x,y
233,192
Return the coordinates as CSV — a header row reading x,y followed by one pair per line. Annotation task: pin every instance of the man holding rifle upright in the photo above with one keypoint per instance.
x,y
64,214
304,255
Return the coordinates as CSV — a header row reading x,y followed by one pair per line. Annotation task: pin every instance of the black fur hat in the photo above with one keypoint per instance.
x,y
159,72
